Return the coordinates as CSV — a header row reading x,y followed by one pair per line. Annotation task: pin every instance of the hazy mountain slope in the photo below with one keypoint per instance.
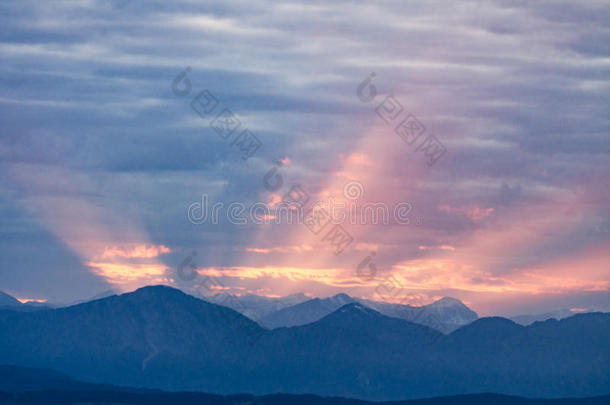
x,y
8,300
444,315
103,294
306,312
256,306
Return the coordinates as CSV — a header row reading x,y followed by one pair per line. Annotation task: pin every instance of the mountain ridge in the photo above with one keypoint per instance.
x,y
445,314
7,300
162,338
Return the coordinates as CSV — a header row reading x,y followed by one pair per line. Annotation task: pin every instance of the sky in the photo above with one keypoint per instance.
x,y
482,126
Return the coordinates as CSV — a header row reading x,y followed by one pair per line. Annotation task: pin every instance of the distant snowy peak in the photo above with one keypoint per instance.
x,y
452,311
447,302
254,306
341,299
444,315
306,312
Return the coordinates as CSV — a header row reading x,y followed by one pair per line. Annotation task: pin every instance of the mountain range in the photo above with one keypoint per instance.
x,y
159,337
444,315
256,306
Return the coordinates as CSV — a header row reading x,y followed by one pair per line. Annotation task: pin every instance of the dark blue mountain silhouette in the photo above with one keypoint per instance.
x,y
159,337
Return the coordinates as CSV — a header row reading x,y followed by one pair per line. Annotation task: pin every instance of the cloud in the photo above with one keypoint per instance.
x,y
98,153
128,275
139,251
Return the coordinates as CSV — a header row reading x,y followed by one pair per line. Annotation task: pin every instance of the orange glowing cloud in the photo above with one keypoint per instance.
x,y
26,300
440,247
366,247
139,251
552,277
130,266
102,237
358,159
329,276
129,275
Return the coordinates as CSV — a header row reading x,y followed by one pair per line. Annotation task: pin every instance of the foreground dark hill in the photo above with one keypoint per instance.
x,y
19,385
159,337
193,398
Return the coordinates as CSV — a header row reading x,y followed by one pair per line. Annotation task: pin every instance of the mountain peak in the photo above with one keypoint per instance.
x,y
342,298
486,331
447,302
158,288
355,309
495,323
156,291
